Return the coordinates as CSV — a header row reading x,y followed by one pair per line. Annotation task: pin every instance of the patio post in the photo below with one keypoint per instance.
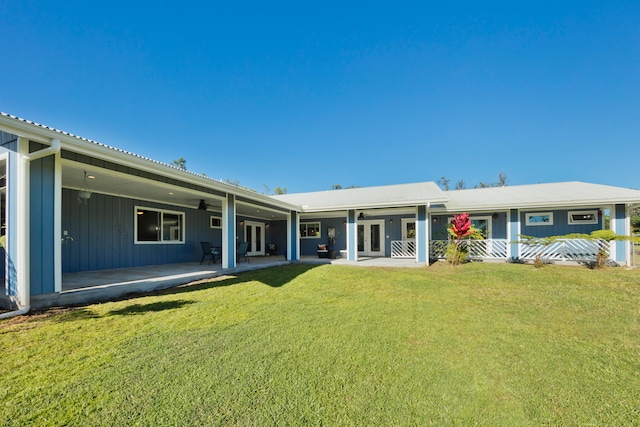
x,y
229,231
620,224
352,236
422,235
293,231
513,233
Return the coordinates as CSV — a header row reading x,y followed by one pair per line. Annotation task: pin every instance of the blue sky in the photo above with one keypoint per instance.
x,y
305,95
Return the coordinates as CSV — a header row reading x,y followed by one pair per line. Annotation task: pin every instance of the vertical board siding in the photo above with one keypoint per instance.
x,y
560,224
42,220
103,234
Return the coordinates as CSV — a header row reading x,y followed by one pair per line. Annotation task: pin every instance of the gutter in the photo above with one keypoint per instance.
x,y
24,285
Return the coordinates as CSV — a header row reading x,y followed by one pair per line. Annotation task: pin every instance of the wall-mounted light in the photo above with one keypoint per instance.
x,y
242,222
435,219
202,206
391,221
361,216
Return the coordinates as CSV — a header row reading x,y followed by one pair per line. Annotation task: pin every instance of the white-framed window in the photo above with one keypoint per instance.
x,y
583,217
215,222
538,218
310,230
153,226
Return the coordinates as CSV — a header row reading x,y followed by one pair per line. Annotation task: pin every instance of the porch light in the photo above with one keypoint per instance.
x,y
361,216
84,194
202,206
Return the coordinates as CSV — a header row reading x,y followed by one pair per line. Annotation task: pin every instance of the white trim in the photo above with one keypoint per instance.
x,y
57,223
404,222
22,226
489,220
571,221
161,212
367,223
255,225
306,224
211,225
528,215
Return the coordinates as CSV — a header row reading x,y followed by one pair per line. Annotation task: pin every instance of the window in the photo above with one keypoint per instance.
x,y
310,230
539,218
215,222
158,226
583,217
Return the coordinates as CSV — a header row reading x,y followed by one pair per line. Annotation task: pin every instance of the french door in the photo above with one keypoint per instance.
x,y
254,234
371,237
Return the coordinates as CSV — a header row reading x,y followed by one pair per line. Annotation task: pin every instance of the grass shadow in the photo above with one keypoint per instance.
x,y
151,307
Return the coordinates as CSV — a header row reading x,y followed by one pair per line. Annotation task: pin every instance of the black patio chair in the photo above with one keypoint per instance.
x,y
242,251
207,251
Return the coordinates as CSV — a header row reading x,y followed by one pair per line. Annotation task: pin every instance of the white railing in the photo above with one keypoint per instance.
x,y
403,249
566,250
485,249
561,250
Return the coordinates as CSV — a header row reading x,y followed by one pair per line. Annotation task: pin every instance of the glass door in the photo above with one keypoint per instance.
x,y
254,235
371,237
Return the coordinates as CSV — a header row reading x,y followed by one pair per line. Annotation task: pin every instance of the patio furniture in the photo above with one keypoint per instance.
x,y
323,251
271,248
207,251
242,251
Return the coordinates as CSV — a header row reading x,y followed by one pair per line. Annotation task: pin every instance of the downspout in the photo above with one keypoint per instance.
x,y
24,285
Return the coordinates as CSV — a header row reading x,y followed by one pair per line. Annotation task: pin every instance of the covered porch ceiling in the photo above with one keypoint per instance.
x,y
114,183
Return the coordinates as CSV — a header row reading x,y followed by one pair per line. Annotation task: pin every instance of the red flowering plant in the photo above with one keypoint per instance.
x,y
459,228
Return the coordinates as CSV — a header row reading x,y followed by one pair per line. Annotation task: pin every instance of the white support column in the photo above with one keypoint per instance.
x,y
22,263
57,224
422,235
229,231
352,236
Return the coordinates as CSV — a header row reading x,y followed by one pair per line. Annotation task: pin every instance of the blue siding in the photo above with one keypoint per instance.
x,y
309,245
560,224
392,231
439,225
41,241
103,234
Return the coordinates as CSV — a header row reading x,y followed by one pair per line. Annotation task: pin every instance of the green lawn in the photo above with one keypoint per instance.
x,y
479,344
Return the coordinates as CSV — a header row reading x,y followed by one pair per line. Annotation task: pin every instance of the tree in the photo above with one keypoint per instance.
x,y
180,163
443,182
460,185
502,180
280,190
336,187
635,218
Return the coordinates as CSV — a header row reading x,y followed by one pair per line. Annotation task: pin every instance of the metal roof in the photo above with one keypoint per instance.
x,y
548,195
387,196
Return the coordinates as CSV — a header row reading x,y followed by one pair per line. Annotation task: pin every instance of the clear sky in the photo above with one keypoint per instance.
x,y
305,95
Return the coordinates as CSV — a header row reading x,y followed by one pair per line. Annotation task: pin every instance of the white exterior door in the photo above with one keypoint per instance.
x,y
254,235
371,237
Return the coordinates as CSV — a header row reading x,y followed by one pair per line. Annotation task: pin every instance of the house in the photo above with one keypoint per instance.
x,y
70,204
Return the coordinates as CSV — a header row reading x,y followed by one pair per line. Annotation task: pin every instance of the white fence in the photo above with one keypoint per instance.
x,y
403,249
561,250
485,249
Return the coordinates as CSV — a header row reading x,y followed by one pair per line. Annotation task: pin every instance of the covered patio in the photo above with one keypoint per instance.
x,y
102,285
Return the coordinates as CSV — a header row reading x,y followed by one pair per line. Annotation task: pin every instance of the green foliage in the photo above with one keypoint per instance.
x,y
482,344
180,163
